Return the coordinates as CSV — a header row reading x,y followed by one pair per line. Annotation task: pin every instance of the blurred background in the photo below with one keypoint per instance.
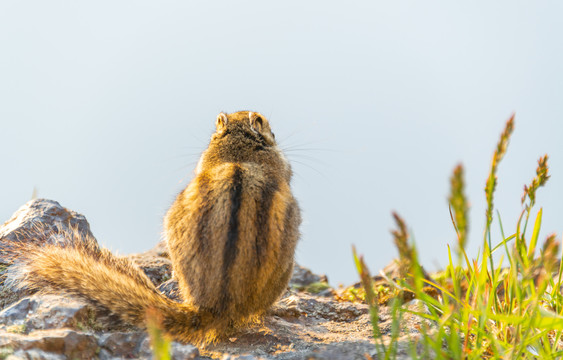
x,y
106,106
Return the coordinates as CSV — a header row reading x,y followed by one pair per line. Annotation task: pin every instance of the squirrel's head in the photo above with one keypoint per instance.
x,y
244,136
249,124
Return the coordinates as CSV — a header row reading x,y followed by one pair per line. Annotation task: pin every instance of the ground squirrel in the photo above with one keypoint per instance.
x,y
231,236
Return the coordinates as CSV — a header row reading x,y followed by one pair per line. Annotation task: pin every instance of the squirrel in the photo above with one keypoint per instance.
x,y
231,236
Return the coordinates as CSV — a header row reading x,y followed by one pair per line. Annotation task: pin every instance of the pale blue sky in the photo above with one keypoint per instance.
x,y
105,107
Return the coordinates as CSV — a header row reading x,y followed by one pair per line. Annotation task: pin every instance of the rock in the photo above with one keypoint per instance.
x,y
303,277
182,351
157,268
48,312
239,357
7,295
170,289
39,221
34,355
68,343
120,344
314,306
352,350
304,280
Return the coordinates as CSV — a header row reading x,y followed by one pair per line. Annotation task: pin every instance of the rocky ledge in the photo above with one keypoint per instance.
x,y
309,322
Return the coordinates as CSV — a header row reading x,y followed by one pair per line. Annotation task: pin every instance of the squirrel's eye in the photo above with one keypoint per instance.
x,y
274,136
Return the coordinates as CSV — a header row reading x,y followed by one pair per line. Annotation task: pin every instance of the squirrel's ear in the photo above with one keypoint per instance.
x,y
221,122
256,121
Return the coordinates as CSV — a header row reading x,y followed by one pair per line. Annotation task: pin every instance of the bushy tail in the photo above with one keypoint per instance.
x,y
96,275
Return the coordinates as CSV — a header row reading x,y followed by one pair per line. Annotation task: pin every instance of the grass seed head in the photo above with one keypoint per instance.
x,y
401,239
497,157
541,178
460,206
550,252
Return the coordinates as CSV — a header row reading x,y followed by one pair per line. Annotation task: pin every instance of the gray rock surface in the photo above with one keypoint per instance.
x,y
47,312
303,277
34,354
304,324
39,217
66,342
39,221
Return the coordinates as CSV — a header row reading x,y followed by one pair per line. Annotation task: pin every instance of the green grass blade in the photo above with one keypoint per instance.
x,y
504,242
455,281
535,234
160,344
395,328
545,320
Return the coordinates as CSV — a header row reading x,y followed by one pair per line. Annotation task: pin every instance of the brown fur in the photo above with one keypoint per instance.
x,y
231,236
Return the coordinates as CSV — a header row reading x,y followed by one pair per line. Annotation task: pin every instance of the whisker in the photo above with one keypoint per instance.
x,y
283,145
307,157
189,173
301,177
288,136
303,126
310,167
180,156
192,148
307,149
